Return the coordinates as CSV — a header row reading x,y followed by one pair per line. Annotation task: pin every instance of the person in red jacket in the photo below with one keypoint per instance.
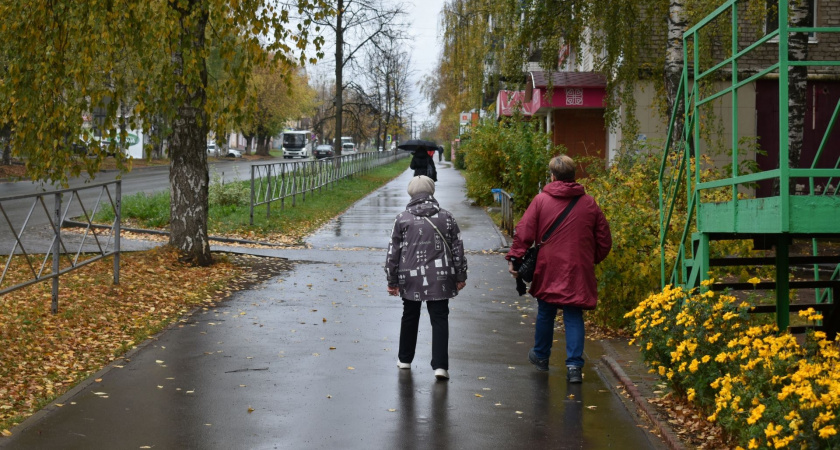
x,y
564,277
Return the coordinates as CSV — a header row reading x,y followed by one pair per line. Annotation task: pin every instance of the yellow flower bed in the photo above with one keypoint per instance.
x,y
762,386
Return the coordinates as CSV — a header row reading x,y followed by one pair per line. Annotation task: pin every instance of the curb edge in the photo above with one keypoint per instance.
x,y
667,435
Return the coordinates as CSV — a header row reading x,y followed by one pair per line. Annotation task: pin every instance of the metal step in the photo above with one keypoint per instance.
x,y
771,261
802,329
771,285
822,307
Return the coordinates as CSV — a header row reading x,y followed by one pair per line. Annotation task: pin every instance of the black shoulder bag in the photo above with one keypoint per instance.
x,y
529,260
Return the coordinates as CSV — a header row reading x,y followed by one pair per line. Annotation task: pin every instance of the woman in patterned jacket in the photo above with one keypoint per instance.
x,y
425,262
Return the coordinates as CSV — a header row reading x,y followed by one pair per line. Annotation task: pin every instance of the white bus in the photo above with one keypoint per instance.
x,y
297,144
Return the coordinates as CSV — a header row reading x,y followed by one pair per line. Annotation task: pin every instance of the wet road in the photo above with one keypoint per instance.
x,y
308,360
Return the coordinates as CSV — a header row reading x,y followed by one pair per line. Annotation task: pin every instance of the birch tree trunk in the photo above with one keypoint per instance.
x,y
188,175
674,65
798,80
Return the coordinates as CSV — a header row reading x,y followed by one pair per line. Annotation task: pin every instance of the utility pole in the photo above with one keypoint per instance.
x,y
339,68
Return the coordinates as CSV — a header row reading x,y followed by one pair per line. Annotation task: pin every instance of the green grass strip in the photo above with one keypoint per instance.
x,y
230,213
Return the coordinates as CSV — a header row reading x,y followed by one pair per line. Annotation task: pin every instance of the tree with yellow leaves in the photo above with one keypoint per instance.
x,y
65,58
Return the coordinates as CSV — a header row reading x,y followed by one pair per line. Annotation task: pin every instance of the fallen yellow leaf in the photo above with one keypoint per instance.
x,y
250,410
6,433
479,395
351,368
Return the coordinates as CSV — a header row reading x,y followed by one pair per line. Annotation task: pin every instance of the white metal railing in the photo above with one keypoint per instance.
x,y
279,181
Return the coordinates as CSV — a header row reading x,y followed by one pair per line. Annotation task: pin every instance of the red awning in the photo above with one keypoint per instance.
x,y
570,90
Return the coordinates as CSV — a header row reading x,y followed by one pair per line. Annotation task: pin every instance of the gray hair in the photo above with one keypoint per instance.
x,y
563,168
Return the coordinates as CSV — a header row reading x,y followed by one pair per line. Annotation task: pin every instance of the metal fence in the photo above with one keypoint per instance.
x,y
280,181
47,211
506,201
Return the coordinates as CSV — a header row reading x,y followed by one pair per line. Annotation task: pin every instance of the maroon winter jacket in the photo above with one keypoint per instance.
x,y
565,272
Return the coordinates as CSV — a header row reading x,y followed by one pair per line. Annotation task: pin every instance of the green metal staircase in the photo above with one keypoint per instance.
x,y
721,209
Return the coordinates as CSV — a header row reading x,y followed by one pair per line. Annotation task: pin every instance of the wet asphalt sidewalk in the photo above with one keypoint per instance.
x,y
307,359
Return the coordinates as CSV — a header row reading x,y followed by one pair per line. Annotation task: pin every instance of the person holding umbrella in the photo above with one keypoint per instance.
x,y
423,163
422,160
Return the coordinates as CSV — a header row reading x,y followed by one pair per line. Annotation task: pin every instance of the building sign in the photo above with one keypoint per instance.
x,y
574,96
465,118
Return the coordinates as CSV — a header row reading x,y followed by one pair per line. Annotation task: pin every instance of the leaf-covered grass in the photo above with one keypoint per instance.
x,y
230,214
44,354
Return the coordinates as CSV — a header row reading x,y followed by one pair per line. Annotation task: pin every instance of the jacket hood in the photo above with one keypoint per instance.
x,y
564,189
423,205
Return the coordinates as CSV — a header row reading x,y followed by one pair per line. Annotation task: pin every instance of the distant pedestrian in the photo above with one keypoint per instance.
x,y
565,271
425,262
440,153
423,163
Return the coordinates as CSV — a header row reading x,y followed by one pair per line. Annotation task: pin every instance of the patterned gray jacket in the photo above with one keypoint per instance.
x,y
418,261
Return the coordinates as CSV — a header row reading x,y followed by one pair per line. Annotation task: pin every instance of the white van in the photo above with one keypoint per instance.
x,y
297,144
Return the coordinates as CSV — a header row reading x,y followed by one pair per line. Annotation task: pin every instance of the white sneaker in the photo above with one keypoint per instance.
x,y
403,365
441,374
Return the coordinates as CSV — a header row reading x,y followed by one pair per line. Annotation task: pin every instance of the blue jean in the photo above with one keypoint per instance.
x,y
544,332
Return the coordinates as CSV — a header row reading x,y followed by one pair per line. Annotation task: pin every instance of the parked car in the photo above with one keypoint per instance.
x,y
211,149
348,148
323,151
234,153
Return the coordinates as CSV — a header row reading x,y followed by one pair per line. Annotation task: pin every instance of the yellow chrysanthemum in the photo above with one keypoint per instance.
x,y
772,430
828,431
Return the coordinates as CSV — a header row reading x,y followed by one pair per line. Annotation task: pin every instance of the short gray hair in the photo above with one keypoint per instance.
x,y
563,168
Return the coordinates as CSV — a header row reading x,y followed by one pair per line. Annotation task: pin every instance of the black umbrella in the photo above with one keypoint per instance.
x,y
417,144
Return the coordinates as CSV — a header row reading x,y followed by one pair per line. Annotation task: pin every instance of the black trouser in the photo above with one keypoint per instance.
x,y
439,316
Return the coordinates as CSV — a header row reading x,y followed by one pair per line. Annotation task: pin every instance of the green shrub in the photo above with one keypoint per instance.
x,y
237,193
509,154
628,195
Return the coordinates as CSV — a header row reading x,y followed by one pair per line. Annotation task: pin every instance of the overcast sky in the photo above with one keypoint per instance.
x,y
425,17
